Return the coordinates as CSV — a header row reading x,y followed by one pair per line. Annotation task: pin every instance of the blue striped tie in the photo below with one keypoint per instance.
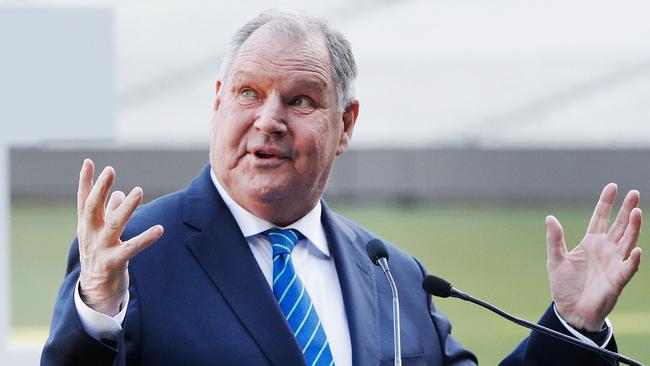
x,y
294,300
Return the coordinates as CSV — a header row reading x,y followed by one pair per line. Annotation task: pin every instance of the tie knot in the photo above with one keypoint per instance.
x,y
283,241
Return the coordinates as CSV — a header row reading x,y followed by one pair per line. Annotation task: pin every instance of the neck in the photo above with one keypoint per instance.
x,y
281,213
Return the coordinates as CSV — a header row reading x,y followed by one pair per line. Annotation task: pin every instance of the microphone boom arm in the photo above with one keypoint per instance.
x,y
453,292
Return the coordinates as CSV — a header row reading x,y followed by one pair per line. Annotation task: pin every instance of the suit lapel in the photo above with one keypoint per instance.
x,y
223,253
358,287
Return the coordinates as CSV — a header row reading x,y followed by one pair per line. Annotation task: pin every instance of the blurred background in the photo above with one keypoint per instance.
x,y
477,120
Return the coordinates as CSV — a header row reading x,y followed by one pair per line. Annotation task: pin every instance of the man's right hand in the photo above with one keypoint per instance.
x,y
104,258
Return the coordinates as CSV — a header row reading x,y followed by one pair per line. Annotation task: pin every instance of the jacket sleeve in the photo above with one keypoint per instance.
x,y
69,344
540,349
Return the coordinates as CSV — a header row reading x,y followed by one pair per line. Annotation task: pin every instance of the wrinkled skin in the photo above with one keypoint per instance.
x,y
276,129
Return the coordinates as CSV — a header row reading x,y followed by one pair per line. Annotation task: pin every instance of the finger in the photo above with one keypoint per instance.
x,y
618,228
94,208
631,265
138,243
85,185
115,223
600,218
631,236
555,246
114,202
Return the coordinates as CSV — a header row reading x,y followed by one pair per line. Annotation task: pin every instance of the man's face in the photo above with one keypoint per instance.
x,y
276,130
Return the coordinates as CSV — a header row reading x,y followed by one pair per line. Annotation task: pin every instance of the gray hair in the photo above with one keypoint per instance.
x,y
296,25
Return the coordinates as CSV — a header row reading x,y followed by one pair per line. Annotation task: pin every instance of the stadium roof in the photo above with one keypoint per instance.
x,y
504,73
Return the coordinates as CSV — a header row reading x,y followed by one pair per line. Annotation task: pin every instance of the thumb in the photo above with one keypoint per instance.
x,y
555,246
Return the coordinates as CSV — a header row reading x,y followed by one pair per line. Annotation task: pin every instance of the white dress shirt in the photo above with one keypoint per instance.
x,y
311,259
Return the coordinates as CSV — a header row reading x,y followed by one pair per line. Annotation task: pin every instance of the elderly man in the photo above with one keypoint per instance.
x,y
254,269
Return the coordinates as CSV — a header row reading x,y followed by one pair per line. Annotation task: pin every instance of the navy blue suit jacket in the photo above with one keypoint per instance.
x,y
198,297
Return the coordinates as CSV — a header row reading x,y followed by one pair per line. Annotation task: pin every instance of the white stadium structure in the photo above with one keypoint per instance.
x,y
459,73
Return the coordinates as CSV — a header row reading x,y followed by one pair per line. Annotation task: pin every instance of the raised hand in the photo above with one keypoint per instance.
x,y
103,256
586,282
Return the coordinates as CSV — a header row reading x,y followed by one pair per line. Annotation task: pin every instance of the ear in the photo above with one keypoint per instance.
x,y
349,119
215,105
217,100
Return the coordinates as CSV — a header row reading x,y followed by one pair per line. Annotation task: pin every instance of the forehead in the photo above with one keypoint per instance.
x,y
272,56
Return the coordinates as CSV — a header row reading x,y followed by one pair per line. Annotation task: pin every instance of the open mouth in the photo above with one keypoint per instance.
x,y
265,155
269,154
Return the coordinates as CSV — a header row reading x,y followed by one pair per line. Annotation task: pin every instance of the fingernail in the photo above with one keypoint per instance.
x,y
137,192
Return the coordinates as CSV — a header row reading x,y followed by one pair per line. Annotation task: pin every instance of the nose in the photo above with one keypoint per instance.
x,y
270,118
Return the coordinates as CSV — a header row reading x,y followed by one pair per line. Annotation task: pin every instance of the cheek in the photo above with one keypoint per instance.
x,y
319,142
328,135
229,128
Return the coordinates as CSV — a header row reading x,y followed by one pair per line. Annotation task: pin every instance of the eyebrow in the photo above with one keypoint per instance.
x,y
312,83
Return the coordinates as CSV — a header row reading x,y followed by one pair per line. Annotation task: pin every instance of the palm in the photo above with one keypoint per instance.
x,y
587,281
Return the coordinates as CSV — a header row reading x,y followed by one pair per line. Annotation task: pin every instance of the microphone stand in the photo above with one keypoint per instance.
x,y
378,255
383,263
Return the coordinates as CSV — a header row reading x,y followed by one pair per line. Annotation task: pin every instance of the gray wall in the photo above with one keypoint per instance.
x,y
362,175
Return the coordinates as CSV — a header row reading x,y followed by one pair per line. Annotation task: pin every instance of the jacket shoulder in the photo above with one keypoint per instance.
x,y
397,256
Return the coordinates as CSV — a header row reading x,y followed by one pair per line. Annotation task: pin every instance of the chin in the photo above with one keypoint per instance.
x,y
269,191
270,194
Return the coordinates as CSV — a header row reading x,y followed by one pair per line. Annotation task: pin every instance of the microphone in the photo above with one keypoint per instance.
x,y
378,255
436,286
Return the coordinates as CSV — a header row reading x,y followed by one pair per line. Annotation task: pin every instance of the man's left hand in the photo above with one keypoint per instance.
x,y
586,282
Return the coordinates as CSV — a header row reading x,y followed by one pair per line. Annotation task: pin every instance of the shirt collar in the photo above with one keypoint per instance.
x,y
250,225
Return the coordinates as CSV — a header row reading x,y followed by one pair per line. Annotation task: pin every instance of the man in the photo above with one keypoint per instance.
x,y
254,269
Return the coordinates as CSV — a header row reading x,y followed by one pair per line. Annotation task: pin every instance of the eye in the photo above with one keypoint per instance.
x,y
302,101
247,96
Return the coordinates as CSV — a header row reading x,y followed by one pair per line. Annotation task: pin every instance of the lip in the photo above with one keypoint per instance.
x,y
268,152
268,156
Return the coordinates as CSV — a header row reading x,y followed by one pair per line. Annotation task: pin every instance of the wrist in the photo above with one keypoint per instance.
x,y
104,297
583,324
587,327
599,339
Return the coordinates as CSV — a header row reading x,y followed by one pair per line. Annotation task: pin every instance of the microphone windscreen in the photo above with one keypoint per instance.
x,y
436,286
376,249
